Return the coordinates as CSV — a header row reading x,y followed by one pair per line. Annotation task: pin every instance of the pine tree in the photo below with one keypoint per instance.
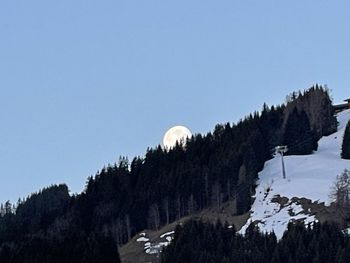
x,y
345,153
298,135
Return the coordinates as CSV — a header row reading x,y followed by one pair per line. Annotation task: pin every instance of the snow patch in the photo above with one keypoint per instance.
x,y
167,234
142,239
155,247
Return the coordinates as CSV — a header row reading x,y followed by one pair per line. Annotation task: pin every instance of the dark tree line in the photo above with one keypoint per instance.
x,y
201,242
317,105
72,248
34,231
125,198
35,214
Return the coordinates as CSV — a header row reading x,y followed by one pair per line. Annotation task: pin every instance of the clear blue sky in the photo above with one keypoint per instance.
x,y
83,82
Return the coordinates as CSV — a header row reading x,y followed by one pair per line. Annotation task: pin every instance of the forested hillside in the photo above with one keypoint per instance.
x,y
203,242
125,198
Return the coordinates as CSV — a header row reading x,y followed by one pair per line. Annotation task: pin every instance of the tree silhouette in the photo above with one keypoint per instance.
x,y
345,153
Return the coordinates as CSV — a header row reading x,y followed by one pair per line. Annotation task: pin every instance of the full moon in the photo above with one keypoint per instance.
x,y
176,134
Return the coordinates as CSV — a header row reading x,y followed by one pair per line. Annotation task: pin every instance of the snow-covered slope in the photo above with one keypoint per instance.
x,y
308,176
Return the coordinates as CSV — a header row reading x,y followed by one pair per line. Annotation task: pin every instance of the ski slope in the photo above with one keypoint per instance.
x,y
308,176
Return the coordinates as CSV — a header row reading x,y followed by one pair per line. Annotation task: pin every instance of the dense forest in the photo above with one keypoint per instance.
x,y
165,185
204,242
72,248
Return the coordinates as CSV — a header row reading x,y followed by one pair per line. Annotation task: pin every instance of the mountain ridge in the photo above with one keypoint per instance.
x,y
206,173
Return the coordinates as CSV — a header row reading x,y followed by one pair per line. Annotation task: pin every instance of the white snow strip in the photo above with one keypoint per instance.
x,y
167,234
142,239
148,244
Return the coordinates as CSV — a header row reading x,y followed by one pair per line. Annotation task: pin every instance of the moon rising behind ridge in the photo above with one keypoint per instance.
x,y
176,134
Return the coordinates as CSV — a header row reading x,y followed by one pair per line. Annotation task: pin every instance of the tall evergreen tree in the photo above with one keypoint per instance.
x,y
298,135
345,151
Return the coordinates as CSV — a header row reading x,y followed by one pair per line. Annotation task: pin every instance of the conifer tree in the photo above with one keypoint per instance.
x,y
345,153
298,135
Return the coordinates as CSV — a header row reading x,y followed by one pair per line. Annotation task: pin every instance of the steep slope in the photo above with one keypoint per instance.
x,y
279,201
